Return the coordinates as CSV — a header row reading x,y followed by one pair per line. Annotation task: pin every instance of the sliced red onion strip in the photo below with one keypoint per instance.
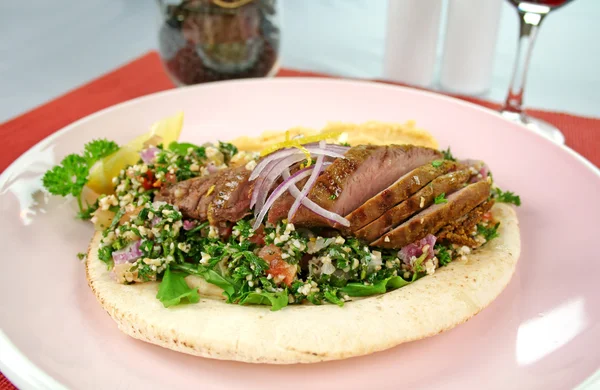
x,y
315,208
263,187
311,181
188,225
292,151
149,154
128,254
416,249
280,190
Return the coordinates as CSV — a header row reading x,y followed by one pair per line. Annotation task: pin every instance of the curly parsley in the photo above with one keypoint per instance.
x,y
506,196
71,175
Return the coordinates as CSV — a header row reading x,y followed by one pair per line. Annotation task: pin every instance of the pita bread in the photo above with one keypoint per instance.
x,y
308,333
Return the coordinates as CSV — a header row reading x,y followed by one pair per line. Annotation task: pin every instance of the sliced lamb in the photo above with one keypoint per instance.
x,y
436,216
425,197
365,171
401,189
187,195
232,192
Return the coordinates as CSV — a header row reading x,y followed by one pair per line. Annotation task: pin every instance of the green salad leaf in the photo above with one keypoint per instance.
x,y
276,300
363,290
173,289
331,296
211,276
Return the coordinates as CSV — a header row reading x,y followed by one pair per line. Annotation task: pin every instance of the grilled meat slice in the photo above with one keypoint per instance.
x,y
222,196
425,197
365,171
231,200
188,195
402,188
435,217
460,232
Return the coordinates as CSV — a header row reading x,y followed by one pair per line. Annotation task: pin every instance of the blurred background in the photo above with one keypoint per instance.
x,y
50,47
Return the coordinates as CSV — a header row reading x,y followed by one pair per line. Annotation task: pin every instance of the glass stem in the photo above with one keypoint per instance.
x,y
529,25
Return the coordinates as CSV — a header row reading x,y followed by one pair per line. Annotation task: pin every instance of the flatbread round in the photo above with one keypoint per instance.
x,y
308,333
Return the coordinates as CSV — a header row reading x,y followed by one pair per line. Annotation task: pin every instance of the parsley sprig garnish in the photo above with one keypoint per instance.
x,y
71,175
506,196
448,155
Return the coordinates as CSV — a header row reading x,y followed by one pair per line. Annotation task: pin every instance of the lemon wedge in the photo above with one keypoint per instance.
x,y
164,131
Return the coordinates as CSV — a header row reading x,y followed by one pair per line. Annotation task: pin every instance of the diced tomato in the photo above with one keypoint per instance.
x,y
278,268
487,216
147,180
258,237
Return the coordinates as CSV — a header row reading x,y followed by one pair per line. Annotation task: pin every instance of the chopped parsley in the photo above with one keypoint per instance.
x,y
444,254
184,148
506,196
229,150
441,198
448,154
437,163
81,255
333,197
71,175
487,232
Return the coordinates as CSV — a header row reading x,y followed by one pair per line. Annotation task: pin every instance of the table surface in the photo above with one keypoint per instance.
x,y
48,48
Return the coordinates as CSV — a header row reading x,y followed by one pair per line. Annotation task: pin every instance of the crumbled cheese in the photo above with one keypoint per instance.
x,y
194,167
250,165
305,290
340,240
417,180
184,247
205,258
106,202
386,239
429,267
213,232
422,203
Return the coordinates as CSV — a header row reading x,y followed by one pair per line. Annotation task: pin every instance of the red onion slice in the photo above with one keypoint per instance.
x,y
318,151
329,215
128,254
280,190
416,249
149,154
188,225
262,188
309,184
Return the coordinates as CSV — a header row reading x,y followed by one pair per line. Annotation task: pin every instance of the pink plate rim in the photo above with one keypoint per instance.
x,y
25,375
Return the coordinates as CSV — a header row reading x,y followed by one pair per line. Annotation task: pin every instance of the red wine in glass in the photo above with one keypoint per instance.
x,y
531,13
548,3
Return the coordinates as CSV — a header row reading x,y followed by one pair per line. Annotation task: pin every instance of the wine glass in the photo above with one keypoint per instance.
x,y
531,13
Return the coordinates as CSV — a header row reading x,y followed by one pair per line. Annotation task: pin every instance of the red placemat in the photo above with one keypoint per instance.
x,y
146,75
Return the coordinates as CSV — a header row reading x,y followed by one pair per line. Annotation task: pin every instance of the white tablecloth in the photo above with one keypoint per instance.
x,y
50,47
